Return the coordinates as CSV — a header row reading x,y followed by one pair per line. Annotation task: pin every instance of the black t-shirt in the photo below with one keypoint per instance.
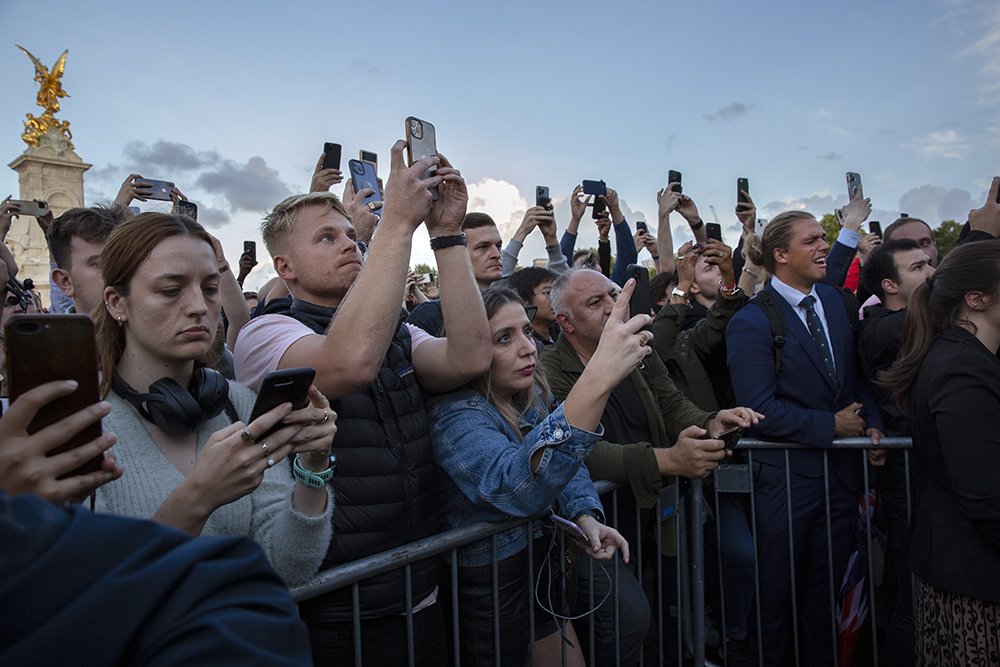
x,y
624,418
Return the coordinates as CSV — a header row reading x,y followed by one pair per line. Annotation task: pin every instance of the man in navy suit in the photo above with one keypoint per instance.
x,y
813,398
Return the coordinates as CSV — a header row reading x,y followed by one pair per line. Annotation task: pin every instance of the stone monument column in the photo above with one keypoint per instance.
x,y
51,172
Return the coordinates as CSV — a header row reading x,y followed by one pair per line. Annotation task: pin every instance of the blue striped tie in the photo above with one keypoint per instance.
x,y
819,335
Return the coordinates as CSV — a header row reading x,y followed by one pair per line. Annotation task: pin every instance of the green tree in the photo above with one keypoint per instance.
x,y
946,235
830,227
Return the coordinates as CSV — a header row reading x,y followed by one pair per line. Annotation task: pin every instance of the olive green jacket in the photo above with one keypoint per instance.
x,y
668,412
684,352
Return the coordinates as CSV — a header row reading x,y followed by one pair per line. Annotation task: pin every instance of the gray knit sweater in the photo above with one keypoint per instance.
x,y
295,544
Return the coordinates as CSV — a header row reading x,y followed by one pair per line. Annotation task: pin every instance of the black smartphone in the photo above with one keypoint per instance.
x,y
641,302
713,230
731,437
421,142
640,225
47,348
188,208
287,386
542,197
675,177
363,176
742,185
159,190
331,156
250,248
369,156
596,188
875,227
853,184
599,207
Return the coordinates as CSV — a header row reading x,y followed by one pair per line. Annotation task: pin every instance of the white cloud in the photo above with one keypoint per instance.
x,y
943,143
501,200
934,203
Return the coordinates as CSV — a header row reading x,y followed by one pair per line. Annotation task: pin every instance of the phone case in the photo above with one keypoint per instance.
x,y
542,197
853,184
31,207
331,156
713,230
641,302
285,386
569,528
363,176
160,190
597,188
250,247
742,185
674,177
421,142
47,348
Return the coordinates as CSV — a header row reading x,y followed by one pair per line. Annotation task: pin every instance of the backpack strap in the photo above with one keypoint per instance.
x,y
776,319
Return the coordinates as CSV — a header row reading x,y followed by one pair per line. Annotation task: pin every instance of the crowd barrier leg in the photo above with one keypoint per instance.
x,y
697,573
356,613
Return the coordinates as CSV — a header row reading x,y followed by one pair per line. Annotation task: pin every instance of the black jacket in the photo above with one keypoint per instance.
x,y
956,433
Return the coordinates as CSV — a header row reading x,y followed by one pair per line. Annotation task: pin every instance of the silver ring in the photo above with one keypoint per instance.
x,y
270,462
264,446
245,434
326,416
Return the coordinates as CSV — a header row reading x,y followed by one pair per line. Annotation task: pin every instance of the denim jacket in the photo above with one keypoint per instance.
x,y
489,475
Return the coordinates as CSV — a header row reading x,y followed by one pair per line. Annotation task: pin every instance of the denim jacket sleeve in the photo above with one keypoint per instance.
x,y
580,497
491,467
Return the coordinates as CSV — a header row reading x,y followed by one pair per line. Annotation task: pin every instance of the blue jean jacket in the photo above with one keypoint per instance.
x,y
489,475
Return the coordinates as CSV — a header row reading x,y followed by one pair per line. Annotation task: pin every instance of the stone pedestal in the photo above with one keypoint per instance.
x,y
51,172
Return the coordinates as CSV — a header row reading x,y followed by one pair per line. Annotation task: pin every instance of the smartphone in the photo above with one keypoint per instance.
x,y
46,348
875,227
713,230
761,224
250,248
675,177
287,386
641,302
599,207
425,278
853,184
742,185
159,190
363,176
542,197
33,207
369,156
188,208
570,529
421,142
331,156
640,225
730,437
597,188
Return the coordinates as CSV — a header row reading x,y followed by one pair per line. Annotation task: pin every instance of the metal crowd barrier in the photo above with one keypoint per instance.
x,y
684,615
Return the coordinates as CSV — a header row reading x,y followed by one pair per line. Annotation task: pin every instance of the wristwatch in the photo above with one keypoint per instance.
x,y
729,291
312,479
440,242
679,293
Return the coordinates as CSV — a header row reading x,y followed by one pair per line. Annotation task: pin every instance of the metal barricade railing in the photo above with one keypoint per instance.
x,y
740,478
677,612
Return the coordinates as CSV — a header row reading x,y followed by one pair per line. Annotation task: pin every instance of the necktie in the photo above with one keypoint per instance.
x,y
815,326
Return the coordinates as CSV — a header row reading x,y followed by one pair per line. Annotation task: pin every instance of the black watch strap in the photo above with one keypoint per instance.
x,y
439,242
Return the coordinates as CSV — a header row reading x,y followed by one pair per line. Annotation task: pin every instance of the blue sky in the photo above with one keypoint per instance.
x,y
234,101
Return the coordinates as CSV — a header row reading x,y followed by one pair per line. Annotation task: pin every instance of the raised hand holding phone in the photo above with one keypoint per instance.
x,y
407,193
448,210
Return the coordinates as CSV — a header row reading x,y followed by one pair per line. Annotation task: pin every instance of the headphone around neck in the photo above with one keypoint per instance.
x,y
174,409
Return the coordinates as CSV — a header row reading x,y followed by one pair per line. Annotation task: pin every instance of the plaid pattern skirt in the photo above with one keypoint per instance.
x,y
953,629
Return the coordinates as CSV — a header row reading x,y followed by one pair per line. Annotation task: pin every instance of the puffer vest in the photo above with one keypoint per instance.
x,y
385,483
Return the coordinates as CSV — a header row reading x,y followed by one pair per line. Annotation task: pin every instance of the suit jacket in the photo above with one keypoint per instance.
x,y
799,404
956,445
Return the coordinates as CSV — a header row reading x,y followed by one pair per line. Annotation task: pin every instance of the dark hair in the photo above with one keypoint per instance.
x,y
128,246
93,224
899,222
494,298
475,219
659,284
777,235
936,306
525,281
250,295
882,264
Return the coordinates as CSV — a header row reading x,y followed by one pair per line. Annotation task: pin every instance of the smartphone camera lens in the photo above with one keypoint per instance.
x,y
357,169
416,129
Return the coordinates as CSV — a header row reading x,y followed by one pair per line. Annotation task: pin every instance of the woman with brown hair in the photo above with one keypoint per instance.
x,y
948,378
190,459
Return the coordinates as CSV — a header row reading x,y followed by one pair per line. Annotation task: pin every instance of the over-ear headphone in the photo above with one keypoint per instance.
x,y
174,409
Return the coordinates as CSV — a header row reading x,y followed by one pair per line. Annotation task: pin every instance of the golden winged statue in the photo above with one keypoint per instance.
x,y
49,91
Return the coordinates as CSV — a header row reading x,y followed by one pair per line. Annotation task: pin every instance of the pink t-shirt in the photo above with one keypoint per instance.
x,y
264,340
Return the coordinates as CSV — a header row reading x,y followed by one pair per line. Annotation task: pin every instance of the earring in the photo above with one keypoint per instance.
x,y
121,321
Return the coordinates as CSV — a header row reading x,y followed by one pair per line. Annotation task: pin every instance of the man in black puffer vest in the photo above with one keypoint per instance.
x,y
344,320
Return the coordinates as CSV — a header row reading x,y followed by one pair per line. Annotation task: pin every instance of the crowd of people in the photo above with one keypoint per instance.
x,y
506,396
